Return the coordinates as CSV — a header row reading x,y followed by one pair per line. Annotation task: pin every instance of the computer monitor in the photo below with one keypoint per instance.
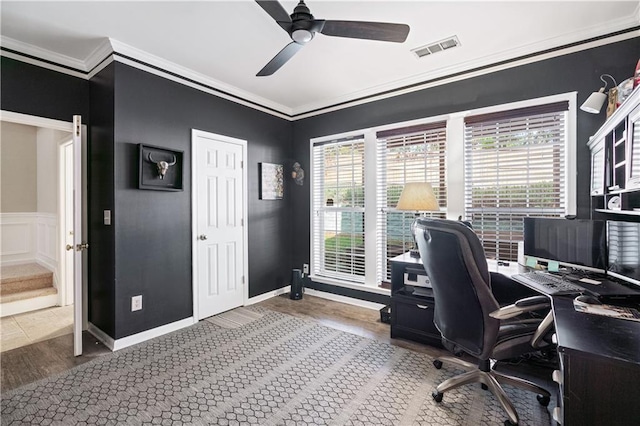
x,y
576,243
623,241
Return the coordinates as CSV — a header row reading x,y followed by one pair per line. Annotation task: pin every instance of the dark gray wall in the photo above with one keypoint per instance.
x,y
33,90
575,72
153,228
100,170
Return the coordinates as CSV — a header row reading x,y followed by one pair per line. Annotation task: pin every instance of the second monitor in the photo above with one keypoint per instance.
x,y
577,243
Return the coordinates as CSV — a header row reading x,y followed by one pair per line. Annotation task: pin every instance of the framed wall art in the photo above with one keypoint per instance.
x,y
160,168
271,181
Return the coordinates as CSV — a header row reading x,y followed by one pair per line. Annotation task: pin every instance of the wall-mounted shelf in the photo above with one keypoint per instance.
x,y
615,161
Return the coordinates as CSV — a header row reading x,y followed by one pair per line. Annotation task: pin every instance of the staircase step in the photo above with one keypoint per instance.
x,y
21,278
29,294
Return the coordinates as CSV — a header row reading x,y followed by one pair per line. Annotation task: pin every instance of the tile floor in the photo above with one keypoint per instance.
x,y
23,329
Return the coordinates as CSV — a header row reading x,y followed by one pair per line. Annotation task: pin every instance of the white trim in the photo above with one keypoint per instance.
x,y
44,54
28,305
102,65
32,120
370,94
322,107
134,339
268,295
194,213
94,59
101,335
344,299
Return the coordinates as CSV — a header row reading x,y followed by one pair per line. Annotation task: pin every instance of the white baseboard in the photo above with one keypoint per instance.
x,y
116,345
264,296
27,305
344,299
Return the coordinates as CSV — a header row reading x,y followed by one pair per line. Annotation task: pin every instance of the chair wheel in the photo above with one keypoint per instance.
x,y
437,364
437,396
543,400
485,387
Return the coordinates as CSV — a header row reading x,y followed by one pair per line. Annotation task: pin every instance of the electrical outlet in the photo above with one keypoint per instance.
x,y
136,303
305,268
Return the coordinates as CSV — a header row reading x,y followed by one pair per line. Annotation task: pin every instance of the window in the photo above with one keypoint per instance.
x,y
514,167
492,166
338,209
408,154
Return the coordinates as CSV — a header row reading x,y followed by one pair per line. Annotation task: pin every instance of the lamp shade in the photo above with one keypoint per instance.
x,y
418,196
594,103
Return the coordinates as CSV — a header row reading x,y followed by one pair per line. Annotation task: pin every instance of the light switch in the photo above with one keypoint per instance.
x,y
107,217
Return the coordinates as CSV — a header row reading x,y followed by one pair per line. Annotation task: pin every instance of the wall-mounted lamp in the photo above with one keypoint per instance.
x,y
594,103
417,197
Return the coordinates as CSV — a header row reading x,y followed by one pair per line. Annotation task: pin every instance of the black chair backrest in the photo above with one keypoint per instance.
x,y
455,262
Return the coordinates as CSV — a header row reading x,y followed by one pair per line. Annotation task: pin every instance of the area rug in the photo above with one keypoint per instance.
x,y
274,369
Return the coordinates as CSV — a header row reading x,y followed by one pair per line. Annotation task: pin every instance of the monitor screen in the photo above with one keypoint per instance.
x,y
623,240
577,243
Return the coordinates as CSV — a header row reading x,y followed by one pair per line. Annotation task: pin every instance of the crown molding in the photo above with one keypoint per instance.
x,y
169,67
110,49
533,50
46,55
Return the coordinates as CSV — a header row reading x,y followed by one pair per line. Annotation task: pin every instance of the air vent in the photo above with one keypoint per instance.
x,y
438,46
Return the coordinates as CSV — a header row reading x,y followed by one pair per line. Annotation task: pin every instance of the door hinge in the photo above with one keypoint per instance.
x,y
242,164
241,222
243,279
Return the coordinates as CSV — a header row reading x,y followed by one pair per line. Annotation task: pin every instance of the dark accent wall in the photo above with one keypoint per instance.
x,y
153,233
32,90
579,72
100,170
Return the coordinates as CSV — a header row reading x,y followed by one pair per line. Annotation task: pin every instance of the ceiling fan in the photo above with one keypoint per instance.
x,y
301,27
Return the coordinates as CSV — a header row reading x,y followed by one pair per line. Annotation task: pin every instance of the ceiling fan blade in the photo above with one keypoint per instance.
x,y
280,59
383,31
275,10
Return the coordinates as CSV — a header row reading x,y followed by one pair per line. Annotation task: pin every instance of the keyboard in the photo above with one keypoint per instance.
x,y
547,283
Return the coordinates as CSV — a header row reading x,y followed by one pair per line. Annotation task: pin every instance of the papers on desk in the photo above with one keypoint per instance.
x,y
613,311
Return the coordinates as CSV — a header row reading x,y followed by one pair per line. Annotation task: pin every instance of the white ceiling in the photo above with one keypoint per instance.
x,y
225,43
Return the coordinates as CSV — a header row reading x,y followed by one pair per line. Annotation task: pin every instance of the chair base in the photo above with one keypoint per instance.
x,y
492,380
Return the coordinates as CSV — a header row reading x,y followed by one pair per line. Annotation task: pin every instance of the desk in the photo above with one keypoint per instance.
x,y
599,376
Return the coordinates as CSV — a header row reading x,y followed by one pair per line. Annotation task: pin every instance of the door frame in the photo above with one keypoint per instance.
x,y
194,215
66,126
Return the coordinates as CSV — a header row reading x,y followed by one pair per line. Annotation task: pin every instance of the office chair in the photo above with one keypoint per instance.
x,y
468,316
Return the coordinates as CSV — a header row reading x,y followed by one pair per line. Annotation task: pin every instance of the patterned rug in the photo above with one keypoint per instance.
x,y
275,369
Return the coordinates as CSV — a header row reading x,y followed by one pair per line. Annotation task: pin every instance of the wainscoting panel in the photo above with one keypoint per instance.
x,y
47,240
18,238
29,237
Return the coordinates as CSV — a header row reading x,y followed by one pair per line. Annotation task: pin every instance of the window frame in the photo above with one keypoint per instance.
x,y
455,175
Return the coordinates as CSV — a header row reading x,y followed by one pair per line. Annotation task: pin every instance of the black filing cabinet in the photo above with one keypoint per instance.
x,y
411,305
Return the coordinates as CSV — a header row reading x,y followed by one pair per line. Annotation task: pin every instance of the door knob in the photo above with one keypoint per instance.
x,y
69,247
82,246
202,237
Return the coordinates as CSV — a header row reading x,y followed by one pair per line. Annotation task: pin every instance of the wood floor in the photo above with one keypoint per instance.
x,y
43,359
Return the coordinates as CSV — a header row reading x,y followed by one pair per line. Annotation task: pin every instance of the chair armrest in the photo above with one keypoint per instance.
x,y
521,306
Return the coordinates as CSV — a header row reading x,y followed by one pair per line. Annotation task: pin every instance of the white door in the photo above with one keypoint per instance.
x,y
67,222
78,245
219,200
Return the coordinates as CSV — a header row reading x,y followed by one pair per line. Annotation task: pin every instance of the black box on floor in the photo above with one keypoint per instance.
x,y
385,315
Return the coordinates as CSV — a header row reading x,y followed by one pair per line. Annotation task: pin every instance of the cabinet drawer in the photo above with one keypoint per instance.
x,y
414,320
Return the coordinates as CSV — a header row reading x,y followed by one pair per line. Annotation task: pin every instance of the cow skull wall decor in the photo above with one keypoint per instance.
x,y
162,166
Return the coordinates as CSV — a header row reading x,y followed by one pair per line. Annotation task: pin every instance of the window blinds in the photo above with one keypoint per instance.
x,y
514,167
407,154
338,209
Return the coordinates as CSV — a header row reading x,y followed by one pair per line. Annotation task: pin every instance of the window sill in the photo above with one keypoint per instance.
x,y
346,284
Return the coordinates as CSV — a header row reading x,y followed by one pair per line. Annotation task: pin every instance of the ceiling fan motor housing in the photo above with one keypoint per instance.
x,y
303,25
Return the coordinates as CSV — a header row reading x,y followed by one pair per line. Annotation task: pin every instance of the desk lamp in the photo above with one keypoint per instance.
x,y
417,197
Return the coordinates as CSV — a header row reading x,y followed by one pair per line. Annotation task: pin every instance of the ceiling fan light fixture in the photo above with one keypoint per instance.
x,y
301,36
